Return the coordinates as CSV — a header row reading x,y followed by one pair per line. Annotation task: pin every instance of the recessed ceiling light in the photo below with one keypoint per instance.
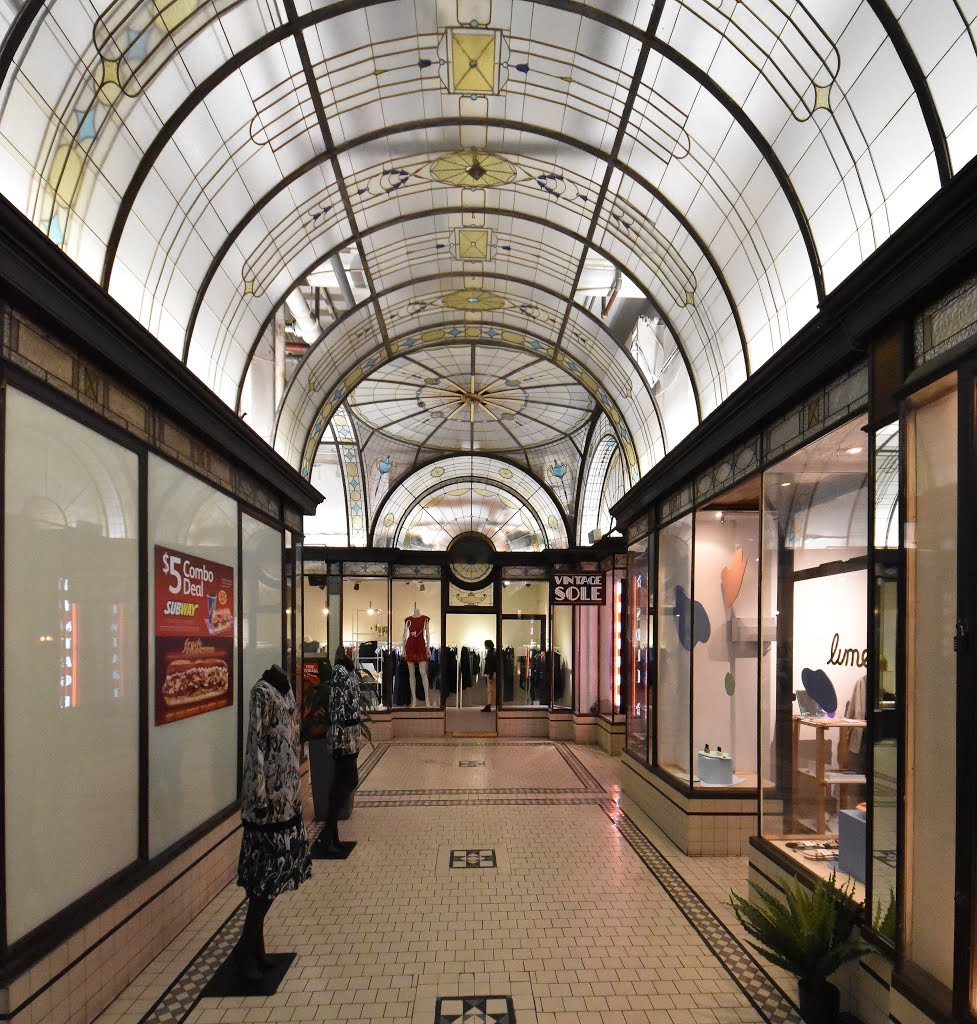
x,y
786,483
854,450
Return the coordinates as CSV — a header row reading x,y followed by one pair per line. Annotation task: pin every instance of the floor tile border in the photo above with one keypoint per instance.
x,y
757,985
579,769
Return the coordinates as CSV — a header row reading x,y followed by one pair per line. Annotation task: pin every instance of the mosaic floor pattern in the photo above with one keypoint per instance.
x,y
583,918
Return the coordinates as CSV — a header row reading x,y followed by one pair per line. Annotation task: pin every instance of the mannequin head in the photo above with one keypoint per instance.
x,y
489,646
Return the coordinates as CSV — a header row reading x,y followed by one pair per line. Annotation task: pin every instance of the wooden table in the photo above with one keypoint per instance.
x,y
822,776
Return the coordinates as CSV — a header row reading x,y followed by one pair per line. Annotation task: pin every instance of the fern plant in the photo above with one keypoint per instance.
x,y
884,921
810,932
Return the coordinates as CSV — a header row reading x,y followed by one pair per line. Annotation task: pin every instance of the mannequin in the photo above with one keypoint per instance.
x,y
491,667
417,650
275,848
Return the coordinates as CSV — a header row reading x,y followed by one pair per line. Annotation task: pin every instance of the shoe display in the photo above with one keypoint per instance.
x,y
488,707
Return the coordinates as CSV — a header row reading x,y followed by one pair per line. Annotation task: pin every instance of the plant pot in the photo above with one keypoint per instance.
x,y
322,772
820,1002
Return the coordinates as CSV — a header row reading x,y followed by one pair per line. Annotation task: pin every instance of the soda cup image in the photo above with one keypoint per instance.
x,y
211,607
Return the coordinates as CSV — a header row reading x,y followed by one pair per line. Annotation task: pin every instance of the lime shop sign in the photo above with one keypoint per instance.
x,y
579,588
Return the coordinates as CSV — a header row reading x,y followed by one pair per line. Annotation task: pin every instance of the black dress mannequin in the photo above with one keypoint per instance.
x,y
274,850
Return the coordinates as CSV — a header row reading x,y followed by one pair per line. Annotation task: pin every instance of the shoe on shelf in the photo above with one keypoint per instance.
x,y
488,707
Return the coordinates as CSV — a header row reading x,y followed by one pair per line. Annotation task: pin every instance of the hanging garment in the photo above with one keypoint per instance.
x,y
368,655
415,647
559,676
274,855
508,673
402,688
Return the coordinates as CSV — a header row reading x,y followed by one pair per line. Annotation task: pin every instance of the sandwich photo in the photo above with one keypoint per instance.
x,y
189,680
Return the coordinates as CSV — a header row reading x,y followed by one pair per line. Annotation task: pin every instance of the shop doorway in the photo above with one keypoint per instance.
x,y
466,692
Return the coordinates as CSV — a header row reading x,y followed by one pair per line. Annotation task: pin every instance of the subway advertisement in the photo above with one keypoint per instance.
x,y
194,601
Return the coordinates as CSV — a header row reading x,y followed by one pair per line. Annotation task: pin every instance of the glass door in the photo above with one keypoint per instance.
x,y
464,679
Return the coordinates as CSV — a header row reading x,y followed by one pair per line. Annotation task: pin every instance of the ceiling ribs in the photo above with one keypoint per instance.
x,y
337,171
490,122
534,334
559,296
639,70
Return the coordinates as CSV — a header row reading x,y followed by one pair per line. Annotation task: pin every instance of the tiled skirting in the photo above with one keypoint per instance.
x,y
697,825
609,736
524,722
79,979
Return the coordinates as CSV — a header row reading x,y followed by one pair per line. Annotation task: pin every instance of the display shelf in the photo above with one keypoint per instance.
x,y
823,776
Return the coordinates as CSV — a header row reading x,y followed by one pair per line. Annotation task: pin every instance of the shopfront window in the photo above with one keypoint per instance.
x,y
676,634
71,661
525,658
411,602
814,675
366,623
727,638
887,563
638,640
561,648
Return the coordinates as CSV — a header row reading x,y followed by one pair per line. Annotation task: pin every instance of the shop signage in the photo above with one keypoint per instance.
x,y
194,600
578,588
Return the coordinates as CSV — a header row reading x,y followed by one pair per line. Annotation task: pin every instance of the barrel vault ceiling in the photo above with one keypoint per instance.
x,y
478,236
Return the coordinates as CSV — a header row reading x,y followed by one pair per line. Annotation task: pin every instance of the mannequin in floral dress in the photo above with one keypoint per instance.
x,y
417,650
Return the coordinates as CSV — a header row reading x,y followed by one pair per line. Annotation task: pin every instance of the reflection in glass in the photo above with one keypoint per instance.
x,y
71,660
675,638
814,684
637,648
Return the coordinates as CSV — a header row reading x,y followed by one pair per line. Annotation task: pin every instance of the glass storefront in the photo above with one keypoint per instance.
x,y
814,681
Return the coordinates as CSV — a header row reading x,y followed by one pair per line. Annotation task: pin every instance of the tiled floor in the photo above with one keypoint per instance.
x,y
576,914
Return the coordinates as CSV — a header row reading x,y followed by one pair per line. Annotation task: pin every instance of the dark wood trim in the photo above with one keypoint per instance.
x,y
966,698
146,689
51,289
239,681
924,992
25,952
939,366
4,325
922,259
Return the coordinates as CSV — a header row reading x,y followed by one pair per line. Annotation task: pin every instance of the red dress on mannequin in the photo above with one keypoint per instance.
x,y
415,649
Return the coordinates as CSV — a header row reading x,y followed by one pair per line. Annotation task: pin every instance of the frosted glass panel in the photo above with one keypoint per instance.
x,y
261,589
931,599
71,700
192,763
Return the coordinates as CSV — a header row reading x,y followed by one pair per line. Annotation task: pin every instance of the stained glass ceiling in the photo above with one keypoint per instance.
x,y
358,180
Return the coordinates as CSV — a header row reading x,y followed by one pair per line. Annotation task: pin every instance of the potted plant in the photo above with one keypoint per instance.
x,y
809,932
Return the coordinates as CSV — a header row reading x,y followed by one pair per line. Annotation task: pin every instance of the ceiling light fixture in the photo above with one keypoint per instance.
x,y
855,449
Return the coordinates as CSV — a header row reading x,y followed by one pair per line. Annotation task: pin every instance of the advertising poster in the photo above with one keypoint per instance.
x,y
194,600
